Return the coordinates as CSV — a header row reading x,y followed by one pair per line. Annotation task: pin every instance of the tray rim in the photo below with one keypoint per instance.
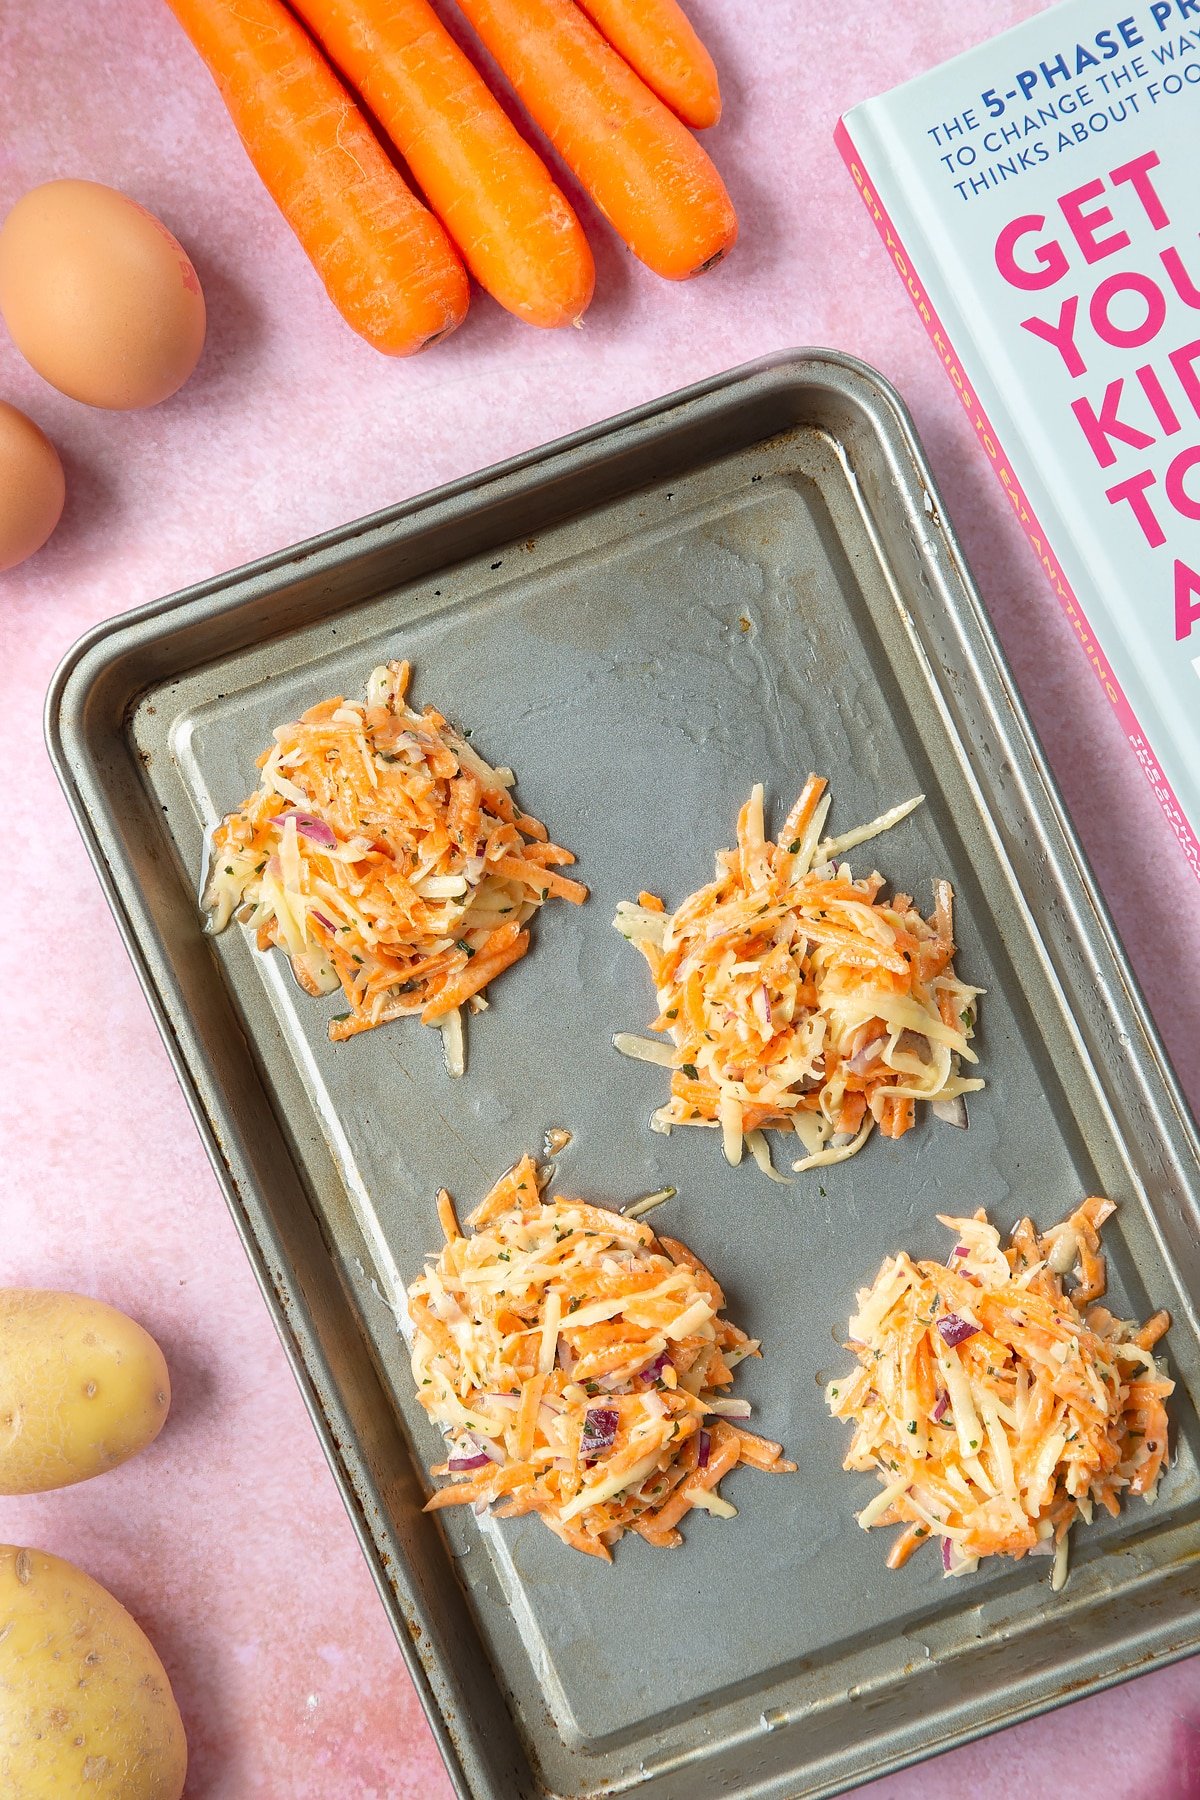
x,y
102,646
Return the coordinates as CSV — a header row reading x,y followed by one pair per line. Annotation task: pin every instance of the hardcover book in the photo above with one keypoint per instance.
x,y
1040,199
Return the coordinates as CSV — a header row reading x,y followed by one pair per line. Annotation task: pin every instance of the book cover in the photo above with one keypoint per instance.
x,y
1040,199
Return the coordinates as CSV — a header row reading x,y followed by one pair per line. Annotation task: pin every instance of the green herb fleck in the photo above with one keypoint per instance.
x,y
689,1069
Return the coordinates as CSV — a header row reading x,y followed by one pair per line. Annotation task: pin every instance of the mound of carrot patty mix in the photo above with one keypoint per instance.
x,y
993,1408
577,1366
388,859
800,999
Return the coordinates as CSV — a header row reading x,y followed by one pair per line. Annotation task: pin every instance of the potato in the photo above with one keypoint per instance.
x,y
82,1388
85,1704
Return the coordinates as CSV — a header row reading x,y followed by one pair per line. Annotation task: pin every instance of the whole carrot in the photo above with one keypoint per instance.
x,y
490,189
657,39
654,184
386,263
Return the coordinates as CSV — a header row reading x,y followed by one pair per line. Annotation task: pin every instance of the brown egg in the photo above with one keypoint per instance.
x,y
32,488
99,296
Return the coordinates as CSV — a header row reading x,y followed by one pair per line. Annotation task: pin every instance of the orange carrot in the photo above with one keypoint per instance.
x,y
386,263
542,880
650,178
657,39
491,190
486,966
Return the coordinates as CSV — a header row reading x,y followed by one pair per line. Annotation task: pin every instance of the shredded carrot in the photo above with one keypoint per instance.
x,y
447,1217
543,881
992,1408
573,1362
385,857
491,960
797,998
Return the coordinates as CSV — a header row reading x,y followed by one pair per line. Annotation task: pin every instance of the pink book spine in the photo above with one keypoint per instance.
x,y
1016,496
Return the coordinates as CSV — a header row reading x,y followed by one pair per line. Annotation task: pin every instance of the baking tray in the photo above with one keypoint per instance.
x,y
749,580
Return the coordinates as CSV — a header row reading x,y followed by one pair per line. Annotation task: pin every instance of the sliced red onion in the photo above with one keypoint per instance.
x,y
493,1452
457,1464
703,1448
961,1250
309,826
862,1059
599,1429
952,1112
946,1554
565,1356
955,1330
653,1371
322,920
939,1411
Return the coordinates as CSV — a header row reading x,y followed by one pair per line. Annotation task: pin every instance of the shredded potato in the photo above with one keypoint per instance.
x,y
797,998
575,1364
385,857
993,1410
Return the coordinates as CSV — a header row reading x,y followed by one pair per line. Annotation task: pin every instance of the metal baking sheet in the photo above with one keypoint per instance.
x,y
748,581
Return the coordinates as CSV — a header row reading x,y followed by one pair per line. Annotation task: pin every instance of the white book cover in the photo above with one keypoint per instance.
x,y
1040,199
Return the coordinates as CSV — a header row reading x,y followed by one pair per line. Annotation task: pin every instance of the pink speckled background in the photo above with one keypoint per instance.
x,y
228,1540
